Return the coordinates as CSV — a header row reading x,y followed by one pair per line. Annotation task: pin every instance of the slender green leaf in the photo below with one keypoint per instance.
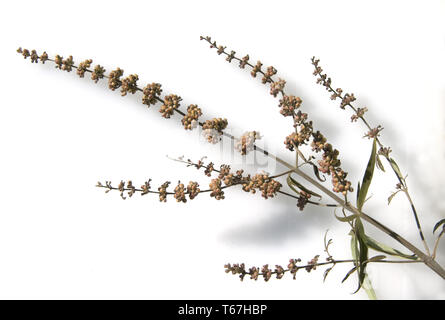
x,y
392,196
377,246
317,173
438,224
346,219
366,182
292,182
363,252
349,273
376,258
379,163
367,285
396,169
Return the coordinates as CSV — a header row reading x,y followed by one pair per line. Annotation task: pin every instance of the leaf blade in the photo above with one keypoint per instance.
x,y
367,177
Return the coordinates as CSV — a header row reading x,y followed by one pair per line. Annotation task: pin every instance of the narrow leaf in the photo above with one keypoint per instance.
x,y
392,196
366,182
317,173
377,246
292,181
379,163
363,252
369,289
396,169
438,224
346,219
349,273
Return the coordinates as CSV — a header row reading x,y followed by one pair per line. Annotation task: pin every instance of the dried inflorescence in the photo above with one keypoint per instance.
x,y
163,191
114,81
129,84
190,120
151,93
98,73
171,103
213,129
246,142
83,67
289,104
288,107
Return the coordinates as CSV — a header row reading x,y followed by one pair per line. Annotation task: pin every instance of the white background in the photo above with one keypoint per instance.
x,y
60,237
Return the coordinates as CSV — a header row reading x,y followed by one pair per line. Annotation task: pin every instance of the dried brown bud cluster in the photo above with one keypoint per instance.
x,y
213,129
359,114
114,81
98,73
129,84
190,120
171,103
277,87
374,132
303,199
268,186
289,104
151,93
83,67
246,142
163,191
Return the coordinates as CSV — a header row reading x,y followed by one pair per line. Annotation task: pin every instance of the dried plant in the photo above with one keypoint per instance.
x,y
300,184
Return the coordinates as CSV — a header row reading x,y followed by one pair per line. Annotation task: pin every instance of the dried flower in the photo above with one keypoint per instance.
x,y
129,84
358,114
246,142
193,189
374,132
43,57
256,69
34,57
151,93
163,191
146,187
171,102
215,186
114,79
180,192
83,67
244,61
98,73
277,86
67,64
347,99
190,120
289,104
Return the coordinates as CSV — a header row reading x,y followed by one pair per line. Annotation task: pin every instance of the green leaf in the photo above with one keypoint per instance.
x,y
363,249
377,246
346,219
292,182
379,163
396,169
366,182
349,273
438,224
392,196
369,289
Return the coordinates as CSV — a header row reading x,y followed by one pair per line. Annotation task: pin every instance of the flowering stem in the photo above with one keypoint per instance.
x,y
386,155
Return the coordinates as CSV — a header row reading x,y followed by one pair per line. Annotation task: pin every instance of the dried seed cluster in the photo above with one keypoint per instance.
x,y
171,103
151,93
213,129
303,127
246,142
83,67
190,120
129,84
